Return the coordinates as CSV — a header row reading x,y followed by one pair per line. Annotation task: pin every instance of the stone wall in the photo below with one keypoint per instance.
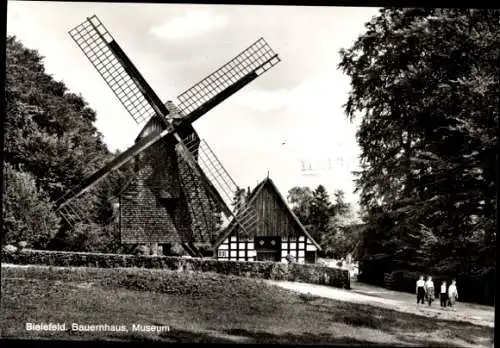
x,y
307,273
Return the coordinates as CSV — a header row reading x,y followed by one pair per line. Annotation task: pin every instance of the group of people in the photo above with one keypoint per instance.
x,y
425,292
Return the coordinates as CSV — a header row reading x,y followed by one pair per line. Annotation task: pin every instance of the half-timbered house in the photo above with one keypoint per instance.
x,y
278,235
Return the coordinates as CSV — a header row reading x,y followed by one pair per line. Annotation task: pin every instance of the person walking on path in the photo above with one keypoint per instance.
x,y
420,290
443,294
452,293
429,290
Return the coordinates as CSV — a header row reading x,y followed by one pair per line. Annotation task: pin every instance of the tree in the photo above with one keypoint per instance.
x,y
240,198
321,211
49,132
341,235
300,199
425,82
340,208
28,214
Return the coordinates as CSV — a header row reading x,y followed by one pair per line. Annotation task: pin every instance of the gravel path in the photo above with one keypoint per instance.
x,y
402,302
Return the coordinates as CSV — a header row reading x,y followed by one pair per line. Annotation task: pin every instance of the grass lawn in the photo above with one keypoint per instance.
x,y
206,308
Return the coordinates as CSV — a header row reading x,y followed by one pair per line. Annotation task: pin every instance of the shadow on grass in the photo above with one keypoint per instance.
x,y
232,336
261,337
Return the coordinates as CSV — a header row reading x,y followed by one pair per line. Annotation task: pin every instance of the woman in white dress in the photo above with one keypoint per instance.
x,y
452,293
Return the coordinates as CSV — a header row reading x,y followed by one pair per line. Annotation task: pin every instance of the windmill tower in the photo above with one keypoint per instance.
x,y
179,181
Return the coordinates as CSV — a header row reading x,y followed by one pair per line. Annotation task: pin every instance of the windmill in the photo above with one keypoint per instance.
x,y
169,127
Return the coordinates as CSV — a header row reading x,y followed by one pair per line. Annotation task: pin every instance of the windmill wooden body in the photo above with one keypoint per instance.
x,y
179,184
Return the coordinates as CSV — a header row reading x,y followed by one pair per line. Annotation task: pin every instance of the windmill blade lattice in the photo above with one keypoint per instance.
x,y
117,70
72,214
222,181
112,165
255,60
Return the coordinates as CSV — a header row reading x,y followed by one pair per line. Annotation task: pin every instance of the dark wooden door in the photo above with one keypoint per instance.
x,y
310,257
268,248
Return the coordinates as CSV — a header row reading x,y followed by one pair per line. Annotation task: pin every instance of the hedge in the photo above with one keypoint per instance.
x,y
307,273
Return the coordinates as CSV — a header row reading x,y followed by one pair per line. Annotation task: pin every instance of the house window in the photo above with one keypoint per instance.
x,y
222,253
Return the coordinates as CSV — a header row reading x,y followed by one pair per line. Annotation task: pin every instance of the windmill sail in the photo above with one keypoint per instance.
x,y
227,80
117,70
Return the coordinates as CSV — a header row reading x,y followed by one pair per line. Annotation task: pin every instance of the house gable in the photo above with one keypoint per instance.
x,y
276,218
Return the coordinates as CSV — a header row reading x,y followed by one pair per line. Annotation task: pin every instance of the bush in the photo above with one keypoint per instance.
x,y
9,249
141,250
91,237
279,271
177,250
403,280
28,213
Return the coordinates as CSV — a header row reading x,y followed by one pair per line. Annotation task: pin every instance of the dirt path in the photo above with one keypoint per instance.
x,y
402,302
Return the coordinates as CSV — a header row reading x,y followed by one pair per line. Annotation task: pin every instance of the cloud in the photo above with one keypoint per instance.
x,y
192,24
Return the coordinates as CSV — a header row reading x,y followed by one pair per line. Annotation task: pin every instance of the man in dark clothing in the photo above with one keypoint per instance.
x,y
443,295
420,290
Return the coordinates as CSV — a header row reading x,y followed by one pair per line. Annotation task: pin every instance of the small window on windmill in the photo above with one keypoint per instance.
x,y
222,253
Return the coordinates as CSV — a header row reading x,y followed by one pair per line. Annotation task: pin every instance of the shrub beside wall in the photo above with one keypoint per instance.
x,y
307,273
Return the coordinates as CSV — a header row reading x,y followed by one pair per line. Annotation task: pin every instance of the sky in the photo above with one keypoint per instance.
x,y
289,123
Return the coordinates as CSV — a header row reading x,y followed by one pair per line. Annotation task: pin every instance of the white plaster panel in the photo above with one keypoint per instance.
x,y
222,253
